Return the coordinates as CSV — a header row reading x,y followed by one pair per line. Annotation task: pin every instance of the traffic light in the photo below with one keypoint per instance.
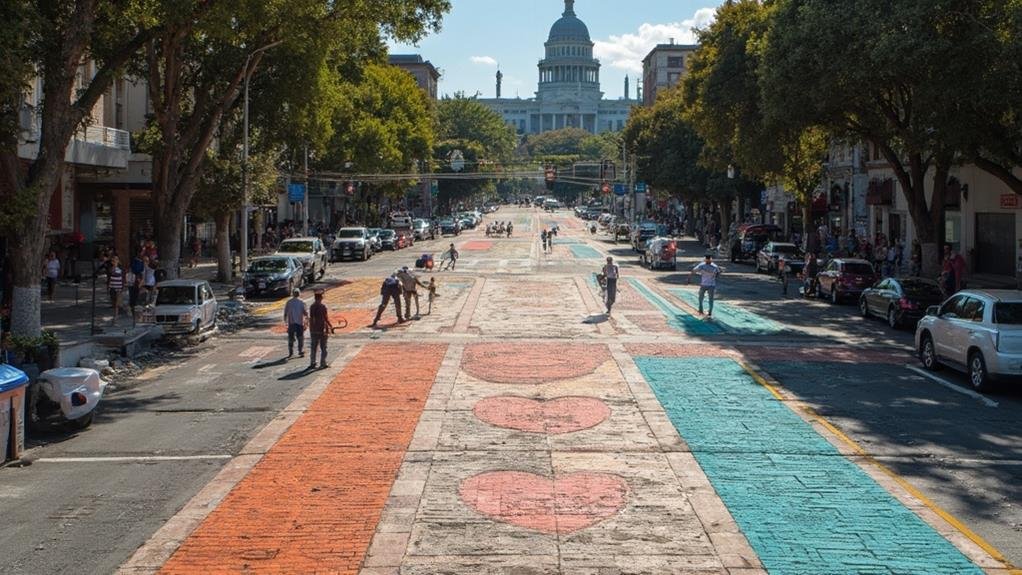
x,y
608,171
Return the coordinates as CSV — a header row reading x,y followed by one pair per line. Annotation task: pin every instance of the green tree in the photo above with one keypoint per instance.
x,y
196,67
384,125
884,73
480,135
54,39
563,142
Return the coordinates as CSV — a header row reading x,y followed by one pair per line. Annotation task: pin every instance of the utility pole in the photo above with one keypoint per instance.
x,y
245,208
305,200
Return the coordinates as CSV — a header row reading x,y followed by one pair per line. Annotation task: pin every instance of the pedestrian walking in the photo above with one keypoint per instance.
x,y
319,328
51,271
708,272
196,246
611,272
409,284
454,255
296,316
390,290
510,228
149,279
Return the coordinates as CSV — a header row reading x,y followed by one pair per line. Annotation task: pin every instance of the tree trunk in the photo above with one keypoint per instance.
x,y
806,214
224,265
26,252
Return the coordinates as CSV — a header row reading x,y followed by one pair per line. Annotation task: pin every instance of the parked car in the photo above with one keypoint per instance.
x,y
352,243
551,205
374,239
273,275
752,237
901,301
661,253
975,331
389,239
450,226
182,307
766,258
844,278
423,230
310,251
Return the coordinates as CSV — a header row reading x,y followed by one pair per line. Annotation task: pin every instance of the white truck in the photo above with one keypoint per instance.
x,y
401,223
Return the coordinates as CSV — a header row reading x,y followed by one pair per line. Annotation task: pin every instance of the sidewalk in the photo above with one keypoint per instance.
x,y
70,315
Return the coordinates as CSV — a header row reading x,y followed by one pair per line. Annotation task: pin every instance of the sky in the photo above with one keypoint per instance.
x,y
479,35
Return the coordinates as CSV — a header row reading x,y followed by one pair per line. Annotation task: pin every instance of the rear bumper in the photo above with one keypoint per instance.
x,y
1004,365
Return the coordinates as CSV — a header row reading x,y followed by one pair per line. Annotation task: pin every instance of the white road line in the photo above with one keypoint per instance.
x,y
952,386
132,459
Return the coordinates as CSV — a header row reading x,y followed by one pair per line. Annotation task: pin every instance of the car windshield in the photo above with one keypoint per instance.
x,y
263,266
176,295
349,234
1008,313
856,268
921,289
296,247
387,233
782,249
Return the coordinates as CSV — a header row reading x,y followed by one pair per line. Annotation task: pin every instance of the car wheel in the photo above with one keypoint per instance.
x,y
928,354
864,307
978,376
835,298
83,421
892,318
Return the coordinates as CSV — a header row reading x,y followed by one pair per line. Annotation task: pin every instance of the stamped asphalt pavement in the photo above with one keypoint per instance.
x,y
518,429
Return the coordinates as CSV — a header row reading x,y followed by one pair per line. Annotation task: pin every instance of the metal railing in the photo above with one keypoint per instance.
x,y
111,137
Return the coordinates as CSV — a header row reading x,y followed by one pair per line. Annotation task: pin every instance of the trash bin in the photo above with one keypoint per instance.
x,y
12,412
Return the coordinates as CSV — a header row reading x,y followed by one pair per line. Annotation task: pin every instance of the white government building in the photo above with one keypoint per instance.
x,y
569,93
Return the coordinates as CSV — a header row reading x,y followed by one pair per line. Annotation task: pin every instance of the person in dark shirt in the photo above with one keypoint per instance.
x,y
390,290
319,328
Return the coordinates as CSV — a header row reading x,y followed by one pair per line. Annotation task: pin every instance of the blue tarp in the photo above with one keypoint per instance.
x,y
11,378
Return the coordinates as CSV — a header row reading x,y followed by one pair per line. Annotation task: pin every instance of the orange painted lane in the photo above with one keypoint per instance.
x,y
312,504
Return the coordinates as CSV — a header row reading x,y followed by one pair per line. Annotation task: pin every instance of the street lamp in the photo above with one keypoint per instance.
x,y
243,233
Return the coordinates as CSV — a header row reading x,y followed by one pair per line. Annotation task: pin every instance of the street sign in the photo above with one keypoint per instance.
x,y
620,189
640,187
1010,202
296,192
457,161
434,188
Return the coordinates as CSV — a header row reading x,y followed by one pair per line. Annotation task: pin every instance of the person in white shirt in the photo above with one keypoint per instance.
x,y
51,269
610,273
708,272
296,316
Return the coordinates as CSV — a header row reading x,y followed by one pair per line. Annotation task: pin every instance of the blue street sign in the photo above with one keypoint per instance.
x,y
640,187
296,192
620,189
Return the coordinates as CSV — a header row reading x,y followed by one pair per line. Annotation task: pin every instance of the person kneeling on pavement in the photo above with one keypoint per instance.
x,y
409,283
390,290
319,328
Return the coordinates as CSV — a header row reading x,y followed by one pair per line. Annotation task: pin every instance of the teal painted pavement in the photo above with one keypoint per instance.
x,y
566,241
733,318
676,317
803,506
582,251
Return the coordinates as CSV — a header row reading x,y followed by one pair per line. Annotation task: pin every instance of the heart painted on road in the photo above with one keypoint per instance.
x,y
561,505
552,416
527,363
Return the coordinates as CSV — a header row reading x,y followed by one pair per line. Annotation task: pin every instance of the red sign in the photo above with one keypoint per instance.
x,y
1011,201
606,188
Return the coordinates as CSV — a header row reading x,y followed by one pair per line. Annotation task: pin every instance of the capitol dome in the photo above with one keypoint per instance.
x,y
569,27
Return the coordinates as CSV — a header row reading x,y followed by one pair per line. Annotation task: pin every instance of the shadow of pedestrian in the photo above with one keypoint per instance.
x,y
298,374
276,363
595,319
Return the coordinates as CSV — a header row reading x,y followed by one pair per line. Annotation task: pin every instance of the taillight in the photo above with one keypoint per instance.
x,y
905,303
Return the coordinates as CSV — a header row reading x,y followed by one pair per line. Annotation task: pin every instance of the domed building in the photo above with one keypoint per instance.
x,y
568,95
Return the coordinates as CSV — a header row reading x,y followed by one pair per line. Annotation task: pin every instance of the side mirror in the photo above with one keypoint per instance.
x,y
933,310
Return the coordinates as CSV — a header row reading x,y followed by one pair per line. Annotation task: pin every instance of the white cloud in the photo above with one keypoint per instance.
x,y
484,60
627,50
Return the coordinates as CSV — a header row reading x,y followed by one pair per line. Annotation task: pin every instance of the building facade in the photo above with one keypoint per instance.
x,y
665,66
568,94
426,75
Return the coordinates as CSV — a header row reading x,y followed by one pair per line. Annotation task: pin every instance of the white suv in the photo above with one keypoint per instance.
x,y
976,331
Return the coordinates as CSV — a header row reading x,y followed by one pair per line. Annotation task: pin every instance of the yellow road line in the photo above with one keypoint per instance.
x,y
912,490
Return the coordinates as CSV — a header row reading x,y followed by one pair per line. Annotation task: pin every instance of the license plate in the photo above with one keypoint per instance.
x,y
262,285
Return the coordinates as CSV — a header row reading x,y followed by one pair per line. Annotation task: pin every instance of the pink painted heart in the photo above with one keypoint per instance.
x,y
561,505
553,416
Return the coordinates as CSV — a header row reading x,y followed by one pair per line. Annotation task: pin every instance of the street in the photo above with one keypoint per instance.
x,y
518,429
